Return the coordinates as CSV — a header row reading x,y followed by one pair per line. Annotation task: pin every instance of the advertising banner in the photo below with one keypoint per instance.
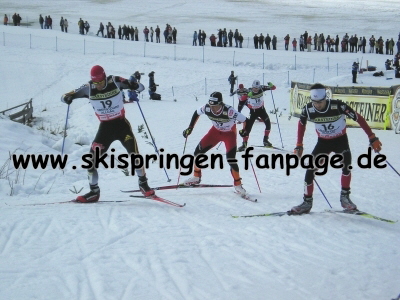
x,y
373,103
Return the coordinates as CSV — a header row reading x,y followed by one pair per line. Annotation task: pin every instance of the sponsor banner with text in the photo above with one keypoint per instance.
x,y
373,103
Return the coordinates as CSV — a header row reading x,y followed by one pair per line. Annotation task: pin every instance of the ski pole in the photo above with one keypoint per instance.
x,y
154,143
322,193
179,174
391,167
277,121
254,172
65,132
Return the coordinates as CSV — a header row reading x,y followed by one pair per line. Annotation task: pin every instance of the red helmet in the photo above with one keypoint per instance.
x,y
97,73
241,86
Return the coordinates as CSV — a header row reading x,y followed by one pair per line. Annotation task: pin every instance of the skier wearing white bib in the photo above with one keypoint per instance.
x,y
329,116
106,96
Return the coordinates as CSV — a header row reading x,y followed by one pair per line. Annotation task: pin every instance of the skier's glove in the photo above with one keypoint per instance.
x,y
299,150
133,96
271,86
67,99
187,132
375,143
243,133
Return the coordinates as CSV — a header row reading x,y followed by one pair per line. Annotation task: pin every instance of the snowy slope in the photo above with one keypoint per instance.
x,y
142,249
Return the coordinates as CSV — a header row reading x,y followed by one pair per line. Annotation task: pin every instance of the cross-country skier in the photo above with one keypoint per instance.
x,y
329,116
105,95
240,92
254,100
223,118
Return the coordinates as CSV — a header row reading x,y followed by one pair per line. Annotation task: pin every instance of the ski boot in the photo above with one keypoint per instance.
x,y
243,147
192,181
92,196
144,187
266,142
303,208
347,204
240,190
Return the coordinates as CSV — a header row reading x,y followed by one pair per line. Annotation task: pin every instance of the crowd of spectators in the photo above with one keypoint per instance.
x,y
225,38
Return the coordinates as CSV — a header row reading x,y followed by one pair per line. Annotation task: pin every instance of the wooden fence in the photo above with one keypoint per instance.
x,y
22,116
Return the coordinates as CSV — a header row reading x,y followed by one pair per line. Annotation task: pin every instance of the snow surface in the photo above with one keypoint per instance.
x,y
147,250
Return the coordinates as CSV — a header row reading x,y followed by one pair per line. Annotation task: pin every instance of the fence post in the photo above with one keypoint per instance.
x,y
234,53
313,76
295,62
328,64
30,41
144,49
174,52
203,53
263,60
337,69
288,77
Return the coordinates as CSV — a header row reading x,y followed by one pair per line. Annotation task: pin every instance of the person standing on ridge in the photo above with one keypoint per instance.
x,y
232,80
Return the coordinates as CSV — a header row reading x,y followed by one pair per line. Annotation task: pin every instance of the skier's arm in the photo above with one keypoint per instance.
x,y
373,140
130,84
82,92
301,129
193,121
268,87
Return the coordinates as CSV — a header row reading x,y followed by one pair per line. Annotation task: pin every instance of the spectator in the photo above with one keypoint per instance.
x,y
5,20
203,38
101,30
268,42
255,39
236,37
87,27
62,24
194,38
49,22
136,34
230,37
240,39
274,41
287,39
261,41
200,37
146,33
174,33
309,42
213,39
151,34
66,25
294,44
41,21
354,71
119,32
157,30
81,26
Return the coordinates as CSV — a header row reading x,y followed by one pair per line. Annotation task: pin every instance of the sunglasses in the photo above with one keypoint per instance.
x,y
213,102
98,82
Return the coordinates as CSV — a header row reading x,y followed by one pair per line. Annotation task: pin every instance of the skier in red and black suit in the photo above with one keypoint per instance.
x,y
329,116
254,100
105,95
224,118
240,92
